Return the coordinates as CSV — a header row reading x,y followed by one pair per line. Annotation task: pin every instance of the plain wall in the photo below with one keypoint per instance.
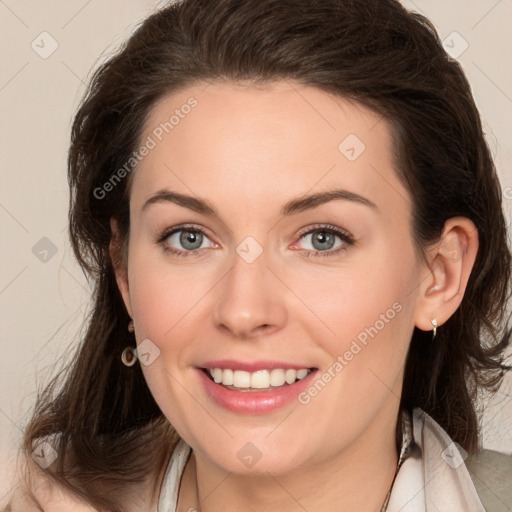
x,y
44,295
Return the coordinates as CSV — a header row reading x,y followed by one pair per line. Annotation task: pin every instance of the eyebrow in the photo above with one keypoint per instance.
x,y
290,208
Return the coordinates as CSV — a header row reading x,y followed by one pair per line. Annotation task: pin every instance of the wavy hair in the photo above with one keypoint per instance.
x,y
111,431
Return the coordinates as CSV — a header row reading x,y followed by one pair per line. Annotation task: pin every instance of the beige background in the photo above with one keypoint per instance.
x,y
42,302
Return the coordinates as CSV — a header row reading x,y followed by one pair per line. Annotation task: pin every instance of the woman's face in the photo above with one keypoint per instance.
x,y
294,251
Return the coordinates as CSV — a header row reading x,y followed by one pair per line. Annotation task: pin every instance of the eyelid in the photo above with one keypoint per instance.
x,y
166,233
343,233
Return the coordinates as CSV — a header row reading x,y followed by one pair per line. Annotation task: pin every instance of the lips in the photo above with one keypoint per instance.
x,y
254,387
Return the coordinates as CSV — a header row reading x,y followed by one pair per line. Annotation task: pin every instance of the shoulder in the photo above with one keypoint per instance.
x,y
36,492
486,474
491,473
52,499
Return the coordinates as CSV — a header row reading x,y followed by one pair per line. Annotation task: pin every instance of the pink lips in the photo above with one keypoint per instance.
x,y
252,402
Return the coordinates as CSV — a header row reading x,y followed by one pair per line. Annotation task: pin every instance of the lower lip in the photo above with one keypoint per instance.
x,y
254,402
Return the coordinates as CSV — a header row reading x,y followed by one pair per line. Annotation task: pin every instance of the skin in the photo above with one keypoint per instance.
x,y
249,150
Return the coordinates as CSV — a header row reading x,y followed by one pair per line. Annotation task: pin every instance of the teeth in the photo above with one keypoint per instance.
x,y
260,379
277,377
290,376
302,373
216,373
227,377
241,379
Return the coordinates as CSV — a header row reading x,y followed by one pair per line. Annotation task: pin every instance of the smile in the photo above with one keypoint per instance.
x,y
260,379
257,387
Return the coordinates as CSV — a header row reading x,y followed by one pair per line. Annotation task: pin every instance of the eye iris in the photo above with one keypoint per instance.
x,y
191,237
322,237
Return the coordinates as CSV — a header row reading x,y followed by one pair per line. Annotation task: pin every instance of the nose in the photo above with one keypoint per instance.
x,y
250,300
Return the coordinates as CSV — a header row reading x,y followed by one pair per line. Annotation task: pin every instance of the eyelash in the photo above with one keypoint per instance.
x,y
345,236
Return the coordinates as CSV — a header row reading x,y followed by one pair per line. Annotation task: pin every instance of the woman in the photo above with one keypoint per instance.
x,y
295,229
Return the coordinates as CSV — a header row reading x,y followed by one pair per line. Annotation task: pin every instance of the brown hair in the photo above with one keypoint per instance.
x,y
375,52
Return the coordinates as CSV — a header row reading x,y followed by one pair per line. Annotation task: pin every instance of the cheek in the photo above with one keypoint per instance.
x,y
162,303
368,314
365,359
162,296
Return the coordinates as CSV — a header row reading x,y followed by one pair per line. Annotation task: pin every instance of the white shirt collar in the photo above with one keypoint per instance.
x,y
433,476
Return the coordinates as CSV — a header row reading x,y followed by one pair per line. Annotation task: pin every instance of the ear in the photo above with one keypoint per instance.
x,y
120,265
446,272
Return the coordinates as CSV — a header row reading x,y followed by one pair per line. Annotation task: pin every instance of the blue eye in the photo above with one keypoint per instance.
x,y
190,238
323,240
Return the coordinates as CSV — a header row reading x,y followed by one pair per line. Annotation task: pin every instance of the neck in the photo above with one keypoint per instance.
x,y
357,478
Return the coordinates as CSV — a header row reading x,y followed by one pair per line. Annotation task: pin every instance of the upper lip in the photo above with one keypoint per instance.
x,y
251,366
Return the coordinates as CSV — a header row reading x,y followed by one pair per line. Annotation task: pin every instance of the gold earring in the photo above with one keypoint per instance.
x,y
434,323
128,356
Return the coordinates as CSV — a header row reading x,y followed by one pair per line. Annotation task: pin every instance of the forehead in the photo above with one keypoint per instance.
x,y
249,142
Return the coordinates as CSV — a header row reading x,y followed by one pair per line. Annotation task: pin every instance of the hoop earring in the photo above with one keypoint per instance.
x,y
434,323
128,356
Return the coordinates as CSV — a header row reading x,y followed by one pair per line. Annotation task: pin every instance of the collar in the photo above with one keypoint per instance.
x,y
431,473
